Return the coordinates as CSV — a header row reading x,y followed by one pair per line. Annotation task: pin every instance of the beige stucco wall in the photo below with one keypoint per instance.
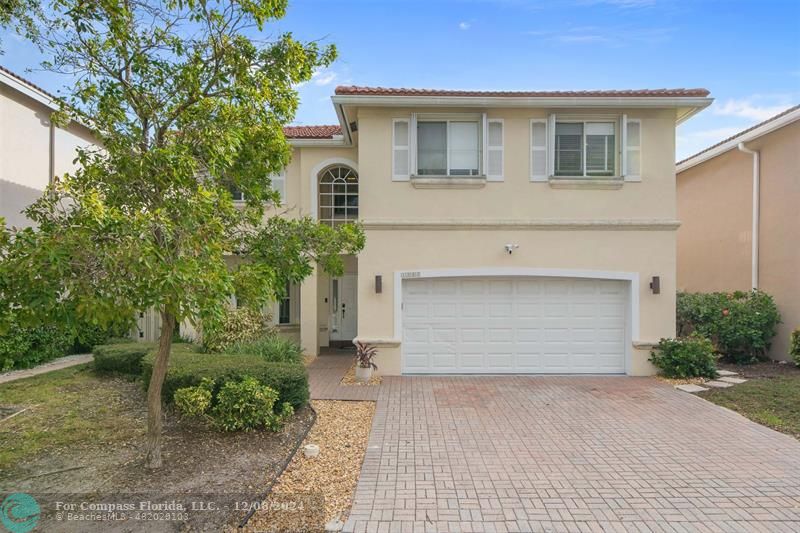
x,y
516,198
25,152
390,249
715,237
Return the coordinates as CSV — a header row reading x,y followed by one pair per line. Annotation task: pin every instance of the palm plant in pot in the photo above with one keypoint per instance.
x,y
365,353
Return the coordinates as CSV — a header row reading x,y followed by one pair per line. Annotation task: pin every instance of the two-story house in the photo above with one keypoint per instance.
x,y
507,232
33,150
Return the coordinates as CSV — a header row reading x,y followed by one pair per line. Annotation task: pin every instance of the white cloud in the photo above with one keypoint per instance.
x,y
748,108
615,36
690,142
463,26
322,78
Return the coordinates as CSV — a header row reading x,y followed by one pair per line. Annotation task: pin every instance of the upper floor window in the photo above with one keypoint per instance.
x,y
448,148
278,182
585,149
338,195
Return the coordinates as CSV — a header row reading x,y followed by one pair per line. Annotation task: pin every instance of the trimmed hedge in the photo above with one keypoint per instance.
x,y
187,368
125,358
272,347
794,346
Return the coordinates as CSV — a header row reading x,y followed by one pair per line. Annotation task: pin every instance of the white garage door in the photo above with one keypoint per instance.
x,y
513,325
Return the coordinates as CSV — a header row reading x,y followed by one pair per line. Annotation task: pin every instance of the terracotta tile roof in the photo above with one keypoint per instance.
x,y
27,82
741,133
312,132
385,91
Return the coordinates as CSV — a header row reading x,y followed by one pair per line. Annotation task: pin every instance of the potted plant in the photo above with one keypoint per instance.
x,y
365,365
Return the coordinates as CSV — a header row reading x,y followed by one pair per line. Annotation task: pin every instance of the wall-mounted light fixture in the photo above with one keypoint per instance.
x,y
655,285
378,284
511,247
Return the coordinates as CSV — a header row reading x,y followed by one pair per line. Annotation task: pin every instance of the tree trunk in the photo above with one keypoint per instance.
x,y
154,391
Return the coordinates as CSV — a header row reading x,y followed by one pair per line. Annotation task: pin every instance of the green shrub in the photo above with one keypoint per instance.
x,y
88,335
271,347
247,404
687,357
187,368
25,347
194,401
236,325
741,324
123,358
794,346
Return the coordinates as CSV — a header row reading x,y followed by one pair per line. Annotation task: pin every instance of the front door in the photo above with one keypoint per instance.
x,y
344,299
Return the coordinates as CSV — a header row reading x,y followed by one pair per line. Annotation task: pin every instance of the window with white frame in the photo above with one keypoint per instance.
x,y
585,148
449,147
338,195
278,182
285,305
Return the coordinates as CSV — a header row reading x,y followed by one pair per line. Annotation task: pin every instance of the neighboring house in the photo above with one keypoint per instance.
x,y
32,150
506,232
739,207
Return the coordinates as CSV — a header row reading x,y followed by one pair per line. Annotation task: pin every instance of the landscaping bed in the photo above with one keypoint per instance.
x,y
314,491
771,396
82,436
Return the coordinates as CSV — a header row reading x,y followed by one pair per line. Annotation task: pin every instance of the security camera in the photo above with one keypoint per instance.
x,y
511,247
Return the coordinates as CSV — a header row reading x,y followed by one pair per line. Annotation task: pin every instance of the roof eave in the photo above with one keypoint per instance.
x,y
28,90
731,144
693,102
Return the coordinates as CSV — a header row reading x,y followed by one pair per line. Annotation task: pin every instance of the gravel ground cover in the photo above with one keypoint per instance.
x,y
314,491
350,379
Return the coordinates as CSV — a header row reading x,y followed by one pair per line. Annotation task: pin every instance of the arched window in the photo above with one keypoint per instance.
x,y
338,195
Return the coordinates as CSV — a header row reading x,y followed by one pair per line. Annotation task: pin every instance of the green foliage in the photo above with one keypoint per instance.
x,y
687,357
272,348
27,346
236,326
794,346
88,335
247,404
185,106
740,324
188,368
194,401
124,358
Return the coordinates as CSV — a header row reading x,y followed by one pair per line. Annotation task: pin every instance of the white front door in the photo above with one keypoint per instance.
x,y
344,300
514,325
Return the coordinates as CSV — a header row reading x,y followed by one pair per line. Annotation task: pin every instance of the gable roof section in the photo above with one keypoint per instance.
x,y
28,88
312,132
386,91
780,120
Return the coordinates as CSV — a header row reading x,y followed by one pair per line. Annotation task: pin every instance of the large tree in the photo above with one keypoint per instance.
x,y
187,102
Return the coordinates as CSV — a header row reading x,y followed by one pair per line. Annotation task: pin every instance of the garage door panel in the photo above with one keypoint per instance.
x,y
507,325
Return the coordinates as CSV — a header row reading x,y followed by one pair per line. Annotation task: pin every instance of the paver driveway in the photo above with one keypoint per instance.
x,y
531,453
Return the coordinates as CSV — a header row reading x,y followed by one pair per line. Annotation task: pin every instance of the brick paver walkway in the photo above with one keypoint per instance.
x,y
535,453
325,374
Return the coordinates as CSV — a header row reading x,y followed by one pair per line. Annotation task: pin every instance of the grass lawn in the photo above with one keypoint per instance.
x,y
64,408
771,396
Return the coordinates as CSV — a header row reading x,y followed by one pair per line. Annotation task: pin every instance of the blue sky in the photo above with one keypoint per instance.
x,y
746,53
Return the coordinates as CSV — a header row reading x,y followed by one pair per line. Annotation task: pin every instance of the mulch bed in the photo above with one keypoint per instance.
x,y
349,379
314,491
200,465
764,369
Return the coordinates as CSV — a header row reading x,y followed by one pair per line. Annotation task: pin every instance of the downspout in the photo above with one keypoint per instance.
x,y
756,204
52,153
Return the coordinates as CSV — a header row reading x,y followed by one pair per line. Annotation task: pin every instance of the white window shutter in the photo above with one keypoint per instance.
x,y
412,144
279,184
494,149
401,149
632,148
539,158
